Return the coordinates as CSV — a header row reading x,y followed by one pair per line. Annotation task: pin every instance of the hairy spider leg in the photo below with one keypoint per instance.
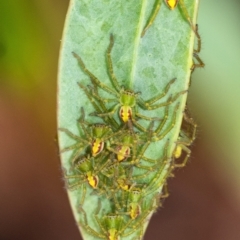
x,y
160,171
193,126
93,78
69,187
73,136
102,108
155,184
135,195
152,17
155,167
172,4
79,146
112,172
159,136
184,141
199,41
86,226
162,195
155,136
200,63
147,105
161,95
99,109
165,193
181,146
110,65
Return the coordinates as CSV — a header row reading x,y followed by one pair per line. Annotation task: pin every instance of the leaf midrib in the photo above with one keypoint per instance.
x,y
136,43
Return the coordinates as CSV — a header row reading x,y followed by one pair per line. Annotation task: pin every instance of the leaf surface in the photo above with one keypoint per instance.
x,y
143,64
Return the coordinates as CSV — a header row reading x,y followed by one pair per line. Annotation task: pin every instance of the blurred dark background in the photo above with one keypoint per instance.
x,y
204,200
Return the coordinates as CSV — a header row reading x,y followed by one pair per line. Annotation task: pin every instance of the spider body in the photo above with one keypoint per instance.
x,y
171,3
127,102
98,141
125,146
86,171
134,198
112,226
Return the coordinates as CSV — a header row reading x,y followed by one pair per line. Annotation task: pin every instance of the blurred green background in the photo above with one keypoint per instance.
x,y
205,196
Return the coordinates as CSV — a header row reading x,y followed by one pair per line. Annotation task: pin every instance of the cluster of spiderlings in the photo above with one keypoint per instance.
x,y
105,158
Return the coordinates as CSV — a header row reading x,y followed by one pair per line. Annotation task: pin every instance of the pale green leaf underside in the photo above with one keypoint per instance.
x,y
143,64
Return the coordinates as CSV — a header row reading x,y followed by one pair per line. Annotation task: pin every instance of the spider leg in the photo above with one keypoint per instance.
x,y
94,79
71,147
152,17
168,102
110,65
70,134
100,109
87,227
161,95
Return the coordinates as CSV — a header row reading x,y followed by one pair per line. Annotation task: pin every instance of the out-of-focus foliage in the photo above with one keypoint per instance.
x,y
22,44
215,92
29,44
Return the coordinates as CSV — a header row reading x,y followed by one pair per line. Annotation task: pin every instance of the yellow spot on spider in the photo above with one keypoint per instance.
x,y
123,153
125,113
172,3
123,185
178,152
112,234
135,211
92,180
97,146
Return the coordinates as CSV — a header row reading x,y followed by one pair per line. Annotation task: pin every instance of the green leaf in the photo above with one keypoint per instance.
x,y
143,64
